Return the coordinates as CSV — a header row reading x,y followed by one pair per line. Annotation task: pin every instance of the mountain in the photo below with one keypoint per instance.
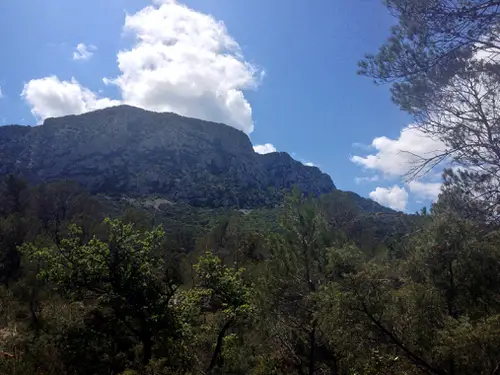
x,y
129,151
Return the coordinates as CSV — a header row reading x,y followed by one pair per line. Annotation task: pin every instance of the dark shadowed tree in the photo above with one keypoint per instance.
x,y
14,198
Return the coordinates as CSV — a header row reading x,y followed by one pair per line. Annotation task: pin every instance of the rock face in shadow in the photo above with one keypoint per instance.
x,y
129,151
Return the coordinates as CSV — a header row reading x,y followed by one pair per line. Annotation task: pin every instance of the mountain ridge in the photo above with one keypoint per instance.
x,y
125,149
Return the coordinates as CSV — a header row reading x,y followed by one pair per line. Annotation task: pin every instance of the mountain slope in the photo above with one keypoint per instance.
x,y
129,151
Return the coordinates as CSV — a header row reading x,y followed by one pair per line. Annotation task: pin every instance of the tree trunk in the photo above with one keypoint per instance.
x,y
312,349
218,346
147,349
34,316
33,304
335,367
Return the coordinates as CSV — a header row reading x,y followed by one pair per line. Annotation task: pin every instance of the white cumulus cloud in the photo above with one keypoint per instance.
x,y
264,149
427,190
50,97
180,61
1,92
396,157
394,197
186,62
83,51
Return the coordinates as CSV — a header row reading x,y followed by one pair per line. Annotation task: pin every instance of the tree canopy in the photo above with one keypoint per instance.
x,y
442,62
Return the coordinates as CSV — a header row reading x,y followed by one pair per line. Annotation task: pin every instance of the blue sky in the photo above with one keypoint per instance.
x,y
284,71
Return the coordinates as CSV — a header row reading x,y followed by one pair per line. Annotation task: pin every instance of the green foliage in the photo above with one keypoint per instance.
x,y
125,276
441,62
300,297
307,286
214,313
224,287
437,303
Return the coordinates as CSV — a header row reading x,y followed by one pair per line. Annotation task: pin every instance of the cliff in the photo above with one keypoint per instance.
x,y
129,151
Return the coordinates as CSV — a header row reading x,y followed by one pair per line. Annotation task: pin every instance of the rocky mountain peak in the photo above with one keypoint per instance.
x,y
130,151
129,124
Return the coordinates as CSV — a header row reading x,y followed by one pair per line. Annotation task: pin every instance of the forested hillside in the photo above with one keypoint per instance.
x,y
310,288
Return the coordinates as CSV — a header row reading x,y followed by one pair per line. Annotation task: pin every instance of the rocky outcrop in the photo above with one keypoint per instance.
x,y
129,151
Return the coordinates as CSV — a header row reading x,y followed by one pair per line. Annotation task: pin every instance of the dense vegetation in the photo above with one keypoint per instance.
x,y
82,294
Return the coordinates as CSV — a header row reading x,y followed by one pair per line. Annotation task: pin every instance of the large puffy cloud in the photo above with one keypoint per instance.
x,y
50,97
394,197
266,148
397,157
185,62
83,51
181,61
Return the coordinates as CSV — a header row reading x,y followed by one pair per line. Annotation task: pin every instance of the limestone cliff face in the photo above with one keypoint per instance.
x,y
129,151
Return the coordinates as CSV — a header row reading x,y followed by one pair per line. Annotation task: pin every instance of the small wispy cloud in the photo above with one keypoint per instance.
x,y
266,148
362,146
83,51
360,180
